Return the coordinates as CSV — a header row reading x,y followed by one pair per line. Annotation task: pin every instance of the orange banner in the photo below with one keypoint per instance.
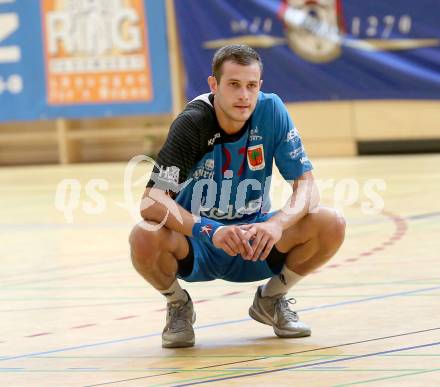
x,y
96,51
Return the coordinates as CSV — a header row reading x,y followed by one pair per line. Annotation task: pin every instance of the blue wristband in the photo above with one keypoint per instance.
x,y
205,229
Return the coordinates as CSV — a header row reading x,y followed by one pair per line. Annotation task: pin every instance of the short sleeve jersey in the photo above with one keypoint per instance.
x,y
226,177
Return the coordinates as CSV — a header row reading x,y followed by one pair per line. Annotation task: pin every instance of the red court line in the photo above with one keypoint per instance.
x,y
400,230
127,317
40,334
233,293
200,301
83,326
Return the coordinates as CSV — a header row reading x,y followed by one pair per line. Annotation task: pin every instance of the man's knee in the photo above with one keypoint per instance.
x,y
333,233
339,227
146,244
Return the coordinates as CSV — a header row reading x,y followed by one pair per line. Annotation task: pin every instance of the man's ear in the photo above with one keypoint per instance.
x,y
212,82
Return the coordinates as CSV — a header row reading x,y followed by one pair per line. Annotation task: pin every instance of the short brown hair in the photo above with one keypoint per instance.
x,y
237,53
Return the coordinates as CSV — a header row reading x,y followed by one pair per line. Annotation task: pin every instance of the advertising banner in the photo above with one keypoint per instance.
x,y
78,58
320,49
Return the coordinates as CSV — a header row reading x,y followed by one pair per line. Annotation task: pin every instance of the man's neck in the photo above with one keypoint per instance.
x,y
228,125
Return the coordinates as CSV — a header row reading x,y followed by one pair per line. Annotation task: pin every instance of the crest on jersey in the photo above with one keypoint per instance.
x,y
255,157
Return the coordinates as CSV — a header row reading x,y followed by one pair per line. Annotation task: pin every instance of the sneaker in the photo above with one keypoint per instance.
x,y
178,331
274,310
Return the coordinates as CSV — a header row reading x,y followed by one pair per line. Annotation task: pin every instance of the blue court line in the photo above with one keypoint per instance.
x,y
423,216
83,368
326,306
12,369
312,364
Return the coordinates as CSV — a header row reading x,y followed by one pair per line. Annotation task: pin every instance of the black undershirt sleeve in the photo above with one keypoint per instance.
x,y
178,155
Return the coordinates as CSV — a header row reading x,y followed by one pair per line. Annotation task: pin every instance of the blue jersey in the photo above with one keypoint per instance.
x,y
226,177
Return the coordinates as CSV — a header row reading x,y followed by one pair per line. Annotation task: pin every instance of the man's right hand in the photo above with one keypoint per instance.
x,y
234,240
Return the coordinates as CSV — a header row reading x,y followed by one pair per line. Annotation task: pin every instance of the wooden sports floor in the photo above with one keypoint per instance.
x,y
74,312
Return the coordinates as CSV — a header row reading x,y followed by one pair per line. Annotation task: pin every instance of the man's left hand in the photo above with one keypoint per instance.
x,y
266,234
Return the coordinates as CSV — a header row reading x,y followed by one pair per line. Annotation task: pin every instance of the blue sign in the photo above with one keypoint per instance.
x,y
74,59
21,65
321,49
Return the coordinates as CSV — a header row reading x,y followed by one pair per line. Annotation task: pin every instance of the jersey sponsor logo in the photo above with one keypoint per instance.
x,y
211,141
304,160
255,157
206,171
296,152
203,174
292,135
216,213
209,164
254,136
252,207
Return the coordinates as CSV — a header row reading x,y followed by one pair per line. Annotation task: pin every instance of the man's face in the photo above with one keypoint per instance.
x,y
237,92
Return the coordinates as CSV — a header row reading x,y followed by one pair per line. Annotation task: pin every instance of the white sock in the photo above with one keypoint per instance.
x,y
281,283
174,293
